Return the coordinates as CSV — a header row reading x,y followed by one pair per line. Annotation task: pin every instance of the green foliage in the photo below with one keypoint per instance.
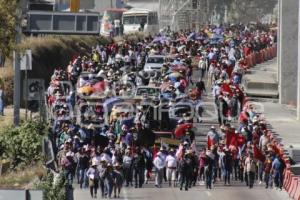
x,y
7,25
53,188
22,145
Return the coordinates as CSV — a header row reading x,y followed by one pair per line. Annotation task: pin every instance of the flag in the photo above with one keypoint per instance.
x,y
231,138
210,142
179,152
181,128
155,151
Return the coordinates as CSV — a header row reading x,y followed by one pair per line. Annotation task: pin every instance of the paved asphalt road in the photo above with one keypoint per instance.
x,y
237,191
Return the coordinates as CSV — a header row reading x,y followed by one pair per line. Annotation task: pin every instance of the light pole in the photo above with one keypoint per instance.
x,y
17,63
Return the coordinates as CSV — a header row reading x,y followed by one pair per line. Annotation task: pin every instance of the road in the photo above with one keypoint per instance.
x,y
237,191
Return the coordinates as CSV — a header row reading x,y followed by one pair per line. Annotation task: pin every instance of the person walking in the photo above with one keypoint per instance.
x,y
250,167
159,164
93,176
227,162
139,167
185,170
127,168
267,170
202,66
82,167
208,169
118,180
171,165
277,172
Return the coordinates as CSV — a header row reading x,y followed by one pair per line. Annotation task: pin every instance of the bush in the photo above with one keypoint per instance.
x,y
22,145
53,186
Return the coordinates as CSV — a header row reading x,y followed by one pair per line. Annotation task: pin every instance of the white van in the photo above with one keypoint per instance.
x,y
133,20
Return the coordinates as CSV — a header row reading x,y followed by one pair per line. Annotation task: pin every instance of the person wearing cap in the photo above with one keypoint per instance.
x,y
185,170
227,163
171,165
93,176
159,164
118,180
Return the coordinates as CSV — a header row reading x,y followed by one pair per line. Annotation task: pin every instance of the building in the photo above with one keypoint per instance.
x,y
84,5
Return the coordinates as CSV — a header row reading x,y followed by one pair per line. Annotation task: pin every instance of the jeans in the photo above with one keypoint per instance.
x,y
227,176
278,179
109,187
268,180
94,188
127,175
184,181
139,177
69,177
251,177
82,179
1,107
208,178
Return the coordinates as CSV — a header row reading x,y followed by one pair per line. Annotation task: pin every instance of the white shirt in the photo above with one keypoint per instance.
x,y
171,161
159,163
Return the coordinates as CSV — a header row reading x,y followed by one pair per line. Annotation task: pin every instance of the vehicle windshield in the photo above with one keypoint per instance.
x,y
149,91
134,20
158,60
112,15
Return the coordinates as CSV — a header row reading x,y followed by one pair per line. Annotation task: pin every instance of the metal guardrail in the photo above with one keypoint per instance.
x,y
21,194
45,22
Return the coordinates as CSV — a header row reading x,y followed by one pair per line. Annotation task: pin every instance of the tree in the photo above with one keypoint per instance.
x,y
8,19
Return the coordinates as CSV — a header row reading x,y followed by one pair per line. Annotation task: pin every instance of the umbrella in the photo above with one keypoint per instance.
x,y
181,129
87,90
178,67
101,140
175,75
99,86
109,103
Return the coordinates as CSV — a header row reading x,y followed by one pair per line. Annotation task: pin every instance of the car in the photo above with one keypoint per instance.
x,y
154,63
150,92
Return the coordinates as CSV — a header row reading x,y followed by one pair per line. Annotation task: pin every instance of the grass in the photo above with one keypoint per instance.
x,y
22,178
8,119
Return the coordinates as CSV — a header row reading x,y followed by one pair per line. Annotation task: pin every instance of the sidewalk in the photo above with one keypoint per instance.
x,y
282,119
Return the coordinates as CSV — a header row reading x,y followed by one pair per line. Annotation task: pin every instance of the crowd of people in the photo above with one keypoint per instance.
x,y
105,146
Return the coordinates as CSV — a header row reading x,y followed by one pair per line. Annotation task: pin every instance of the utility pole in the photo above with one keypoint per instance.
x,y
17,63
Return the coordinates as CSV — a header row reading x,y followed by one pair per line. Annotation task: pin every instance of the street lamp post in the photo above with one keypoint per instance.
x,y
17,63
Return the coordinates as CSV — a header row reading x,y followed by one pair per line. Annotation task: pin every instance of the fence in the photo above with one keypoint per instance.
x,y
262,56
21,194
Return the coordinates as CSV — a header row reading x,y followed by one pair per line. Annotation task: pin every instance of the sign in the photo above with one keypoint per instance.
x,y
35,87
26,60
